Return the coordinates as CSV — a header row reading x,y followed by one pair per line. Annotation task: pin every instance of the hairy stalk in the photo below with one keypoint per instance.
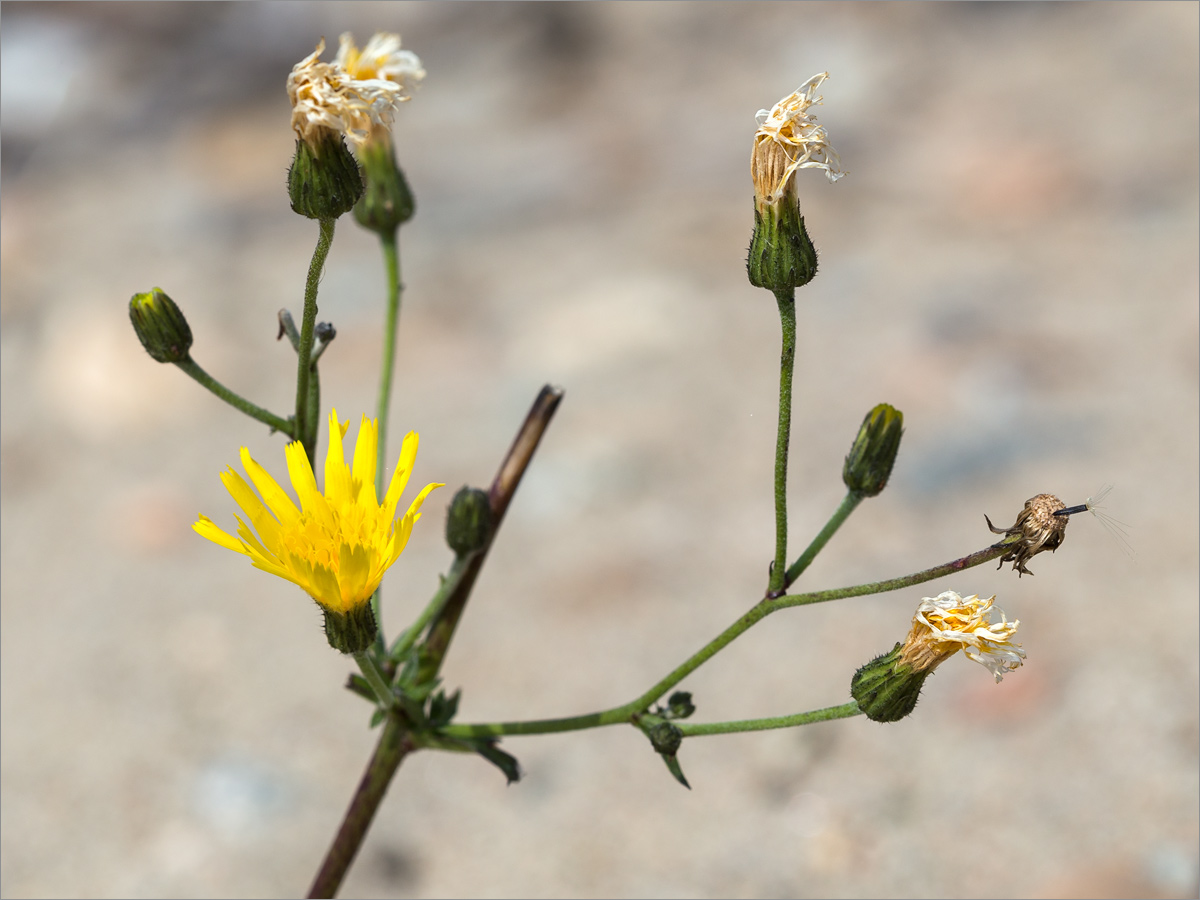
x,y
760,611
377,679
845,711
450,584
387,367
848,505
236,400
306,430
787,358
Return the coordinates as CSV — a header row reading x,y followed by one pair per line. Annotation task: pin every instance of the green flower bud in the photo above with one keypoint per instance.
x,y
387,202
324,180
886,689
871,457
160,326
468,521
781,256
352,631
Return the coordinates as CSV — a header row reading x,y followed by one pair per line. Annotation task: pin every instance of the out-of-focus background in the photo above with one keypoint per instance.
x,y
1012,261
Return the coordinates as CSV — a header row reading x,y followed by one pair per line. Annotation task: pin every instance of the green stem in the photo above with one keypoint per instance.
x,y
387,368
449,585
394,744
306,431
787,358
987,554
379,684
760,611
845,711
235,400
391,256
848,505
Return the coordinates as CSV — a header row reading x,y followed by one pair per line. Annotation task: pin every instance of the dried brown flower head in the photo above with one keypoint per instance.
x,y
1036,529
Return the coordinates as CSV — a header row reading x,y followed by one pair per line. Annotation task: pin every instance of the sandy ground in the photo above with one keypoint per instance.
x,y
1012,261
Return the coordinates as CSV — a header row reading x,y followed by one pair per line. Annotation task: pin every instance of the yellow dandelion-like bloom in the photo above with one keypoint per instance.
x,y
335,545
947,623
328,96
788,139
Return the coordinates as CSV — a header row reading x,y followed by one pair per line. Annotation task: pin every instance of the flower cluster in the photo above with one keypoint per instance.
x,y
356,93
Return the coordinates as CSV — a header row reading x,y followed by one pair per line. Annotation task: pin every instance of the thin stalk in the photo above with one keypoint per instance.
x,y
787,358
449,585
394,744
848,505
845,711
236,400
306,430
387,368
760,611
376,678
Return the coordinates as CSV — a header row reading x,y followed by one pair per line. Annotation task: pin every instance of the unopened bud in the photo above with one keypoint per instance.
x,y
387,201
160,326
323,182
468,521
886,689
871,457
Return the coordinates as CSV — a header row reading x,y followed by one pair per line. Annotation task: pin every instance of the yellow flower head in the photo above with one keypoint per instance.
x,y
336,545
947,623
788,138
330,96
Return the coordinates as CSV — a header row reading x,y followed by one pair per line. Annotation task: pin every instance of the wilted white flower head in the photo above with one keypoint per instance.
x,y
332,96
381,59
788,138
947,623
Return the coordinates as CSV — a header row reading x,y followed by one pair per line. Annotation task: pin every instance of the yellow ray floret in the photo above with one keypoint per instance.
x,y
335,545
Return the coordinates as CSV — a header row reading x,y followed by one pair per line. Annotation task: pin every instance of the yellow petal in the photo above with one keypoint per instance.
x,y
273,495
206,527
408,454
301,473
365,456
337,476
260,517
404,527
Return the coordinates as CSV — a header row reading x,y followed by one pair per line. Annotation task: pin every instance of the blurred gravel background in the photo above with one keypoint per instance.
x,y
1012,262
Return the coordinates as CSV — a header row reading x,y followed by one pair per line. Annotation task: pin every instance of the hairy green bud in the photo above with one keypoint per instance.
x,y
324,181
886,689
871,457
387,201
469,521
160,326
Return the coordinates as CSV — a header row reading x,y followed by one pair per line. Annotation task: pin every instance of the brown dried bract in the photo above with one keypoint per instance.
x,y
1038,528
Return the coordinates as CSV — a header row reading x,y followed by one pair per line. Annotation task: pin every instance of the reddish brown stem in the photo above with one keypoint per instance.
x,y
395,742
441,630
393,746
